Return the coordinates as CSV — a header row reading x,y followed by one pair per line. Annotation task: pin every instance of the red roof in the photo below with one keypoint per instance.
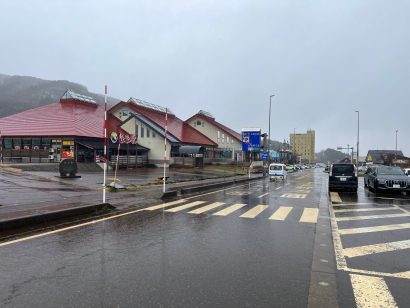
x,y
176,127
67,117
229,131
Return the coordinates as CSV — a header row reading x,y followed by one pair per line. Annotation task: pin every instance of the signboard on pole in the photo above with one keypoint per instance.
x,y
264,156
251,139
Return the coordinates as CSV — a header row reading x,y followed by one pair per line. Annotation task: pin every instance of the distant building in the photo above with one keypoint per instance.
x,y
381,156
229,142
304,145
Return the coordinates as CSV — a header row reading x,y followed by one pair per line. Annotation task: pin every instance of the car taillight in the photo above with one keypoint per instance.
x,y
355,171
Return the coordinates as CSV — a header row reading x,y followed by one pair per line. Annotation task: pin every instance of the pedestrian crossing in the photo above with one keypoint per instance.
x,y
240,210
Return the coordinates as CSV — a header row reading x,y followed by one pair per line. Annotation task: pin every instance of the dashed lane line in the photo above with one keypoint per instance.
x,y
371,291
230,209
255,211
206,208
184,207
281,213
374,229
371,217
376,248
309,215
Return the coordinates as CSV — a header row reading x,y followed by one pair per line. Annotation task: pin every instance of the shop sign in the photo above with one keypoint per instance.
x,y
56,141
123,138
66,142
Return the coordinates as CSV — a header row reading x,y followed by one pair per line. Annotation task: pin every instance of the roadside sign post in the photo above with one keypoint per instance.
x,y
105,145
251,143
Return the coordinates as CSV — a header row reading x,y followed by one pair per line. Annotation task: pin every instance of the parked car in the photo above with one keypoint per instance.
x,y
343,176
369,170
277,171
385,178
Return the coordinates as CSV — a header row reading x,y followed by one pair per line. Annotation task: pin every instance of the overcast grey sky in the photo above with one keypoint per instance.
x,y
322,59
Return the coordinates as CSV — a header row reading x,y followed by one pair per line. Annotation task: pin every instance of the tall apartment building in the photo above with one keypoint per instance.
x,y
304,145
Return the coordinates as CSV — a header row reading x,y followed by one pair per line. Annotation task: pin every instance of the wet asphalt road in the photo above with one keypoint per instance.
x,y
164,259
183,255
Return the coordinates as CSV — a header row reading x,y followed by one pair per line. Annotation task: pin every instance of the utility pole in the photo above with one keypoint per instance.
x,y
270,107
395,156
357,145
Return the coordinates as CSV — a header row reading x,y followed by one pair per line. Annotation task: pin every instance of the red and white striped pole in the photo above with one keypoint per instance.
x,y
105,144
165,146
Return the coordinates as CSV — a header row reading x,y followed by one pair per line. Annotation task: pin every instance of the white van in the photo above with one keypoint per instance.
x,y
277,171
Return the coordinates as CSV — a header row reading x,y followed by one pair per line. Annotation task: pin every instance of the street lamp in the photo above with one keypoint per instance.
x,y
270,106
357,146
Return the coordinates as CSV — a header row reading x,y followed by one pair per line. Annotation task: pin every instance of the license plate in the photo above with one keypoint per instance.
x,y
396,185
343,179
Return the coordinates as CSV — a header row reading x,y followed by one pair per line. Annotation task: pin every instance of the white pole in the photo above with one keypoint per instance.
x,y
105,145
165,147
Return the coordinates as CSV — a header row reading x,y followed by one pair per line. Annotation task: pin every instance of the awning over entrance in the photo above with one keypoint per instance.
x,y
191,149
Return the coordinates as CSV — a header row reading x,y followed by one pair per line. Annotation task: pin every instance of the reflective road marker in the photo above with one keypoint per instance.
x,y
252,213
206,208
281,213
371,291
309,215
184,207
230,209
376,248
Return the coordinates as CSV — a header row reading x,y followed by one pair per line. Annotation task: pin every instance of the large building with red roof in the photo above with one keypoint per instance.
x,y
229,142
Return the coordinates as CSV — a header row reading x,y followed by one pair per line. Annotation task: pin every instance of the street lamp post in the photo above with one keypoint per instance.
x,y
270,107
395,156
294,150
357,145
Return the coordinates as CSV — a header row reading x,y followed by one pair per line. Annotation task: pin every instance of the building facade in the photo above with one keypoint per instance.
x,y
304,145
229,142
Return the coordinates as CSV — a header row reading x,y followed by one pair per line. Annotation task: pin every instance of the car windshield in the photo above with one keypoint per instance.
x,y
342,169
390,171
275,167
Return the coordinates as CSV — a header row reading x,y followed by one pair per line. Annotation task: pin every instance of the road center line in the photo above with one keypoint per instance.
x,y
371,291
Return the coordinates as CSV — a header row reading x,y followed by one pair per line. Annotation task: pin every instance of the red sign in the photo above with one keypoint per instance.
x,y
125,138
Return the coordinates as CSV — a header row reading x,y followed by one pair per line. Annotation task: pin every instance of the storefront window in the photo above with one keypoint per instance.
x,y
26,143
8,143
36,142
45,143
17,143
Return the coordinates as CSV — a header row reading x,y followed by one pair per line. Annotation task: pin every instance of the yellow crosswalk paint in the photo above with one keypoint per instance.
x,y
230,209
164,205
371,217
184,207
365,209
281,213
255,211
206,208
309,215
376,248
370,291
335,197
374,229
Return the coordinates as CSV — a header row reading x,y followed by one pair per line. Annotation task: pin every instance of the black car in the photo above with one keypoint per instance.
x,y
385,178
343,177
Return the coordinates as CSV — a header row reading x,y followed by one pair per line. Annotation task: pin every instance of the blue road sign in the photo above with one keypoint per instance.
x,y
264,155
251,141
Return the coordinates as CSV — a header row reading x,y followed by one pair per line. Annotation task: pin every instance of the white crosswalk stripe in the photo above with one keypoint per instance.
x,y
376,248
371,217
281,213
374,229
230,209
184,207
255,211
309,215
206,208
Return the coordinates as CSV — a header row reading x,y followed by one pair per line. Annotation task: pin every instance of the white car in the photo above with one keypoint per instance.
x,y
407,171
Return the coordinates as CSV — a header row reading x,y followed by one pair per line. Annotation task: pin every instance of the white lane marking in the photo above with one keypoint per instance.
x,y
261,196
164,205
371,217
371,291
255,211
335,197
278,188
281,213
206,208
402,275
392,208
184,207
374,229
337,242
230,209
376,248
309,215
294,196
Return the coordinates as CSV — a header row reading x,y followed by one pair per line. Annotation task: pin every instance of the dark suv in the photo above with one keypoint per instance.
x,y
385,178
343,177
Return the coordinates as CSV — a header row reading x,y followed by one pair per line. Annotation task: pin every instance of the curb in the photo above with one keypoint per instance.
x,y
47,217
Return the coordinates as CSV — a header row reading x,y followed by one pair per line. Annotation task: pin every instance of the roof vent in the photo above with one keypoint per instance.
x,y
145,104
69,94
206,113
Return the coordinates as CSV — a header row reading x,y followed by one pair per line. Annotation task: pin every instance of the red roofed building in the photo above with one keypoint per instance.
x,y
229,142
147,122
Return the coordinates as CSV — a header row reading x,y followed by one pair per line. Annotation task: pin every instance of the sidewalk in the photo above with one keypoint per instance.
x,y
27,194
